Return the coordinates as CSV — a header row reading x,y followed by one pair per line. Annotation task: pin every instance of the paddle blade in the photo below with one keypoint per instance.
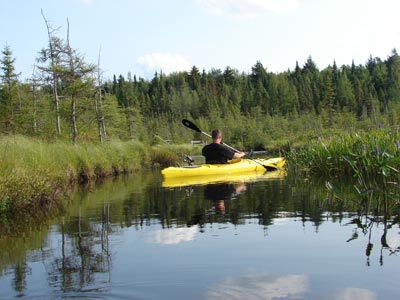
x,y
190,125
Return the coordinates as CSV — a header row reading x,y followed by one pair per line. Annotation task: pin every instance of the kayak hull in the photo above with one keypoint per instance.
x,y
238,166
171,182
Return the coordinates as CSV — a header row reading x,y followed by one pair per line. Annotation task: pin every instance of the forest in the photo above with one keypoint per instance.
x,y
67,99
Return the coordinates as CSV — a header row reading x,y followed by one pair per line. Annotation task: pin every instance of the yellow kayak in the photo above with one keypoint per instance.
x,y
236,166
250,176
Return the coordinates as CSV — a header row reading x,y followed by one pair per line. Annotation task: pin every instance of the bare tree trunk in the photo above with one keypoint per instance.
x,y
74,129
98,105
102,122
96,108
34,101
54,76
73,121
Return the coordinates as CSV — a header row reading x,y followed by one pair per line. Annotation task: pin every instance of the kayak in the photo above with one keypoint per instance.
x,y
251,176
236,166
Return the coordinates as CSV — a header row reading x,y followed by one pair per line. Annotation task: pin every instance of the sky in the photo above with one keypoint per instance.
x,y
142,37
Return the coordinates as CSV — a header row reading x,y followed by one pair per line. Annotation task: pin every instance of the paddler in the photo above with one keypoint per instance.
x,y
217,152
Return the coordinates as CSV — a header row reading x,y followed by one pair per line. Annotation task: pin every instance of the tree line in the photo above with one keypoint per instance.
x,y
66,97
356,89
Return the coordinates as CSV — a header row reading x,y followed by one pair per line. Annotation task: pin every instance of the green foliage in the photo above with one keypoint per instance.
x,y
34,172
370,156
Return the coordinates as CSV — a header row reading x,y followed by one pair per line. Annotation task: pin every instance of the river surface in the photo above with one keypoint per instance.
x,y
277,237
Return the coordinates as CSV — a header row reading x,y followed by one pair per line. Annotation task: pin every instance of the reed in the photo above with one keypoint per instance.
x,y
370,155
33,171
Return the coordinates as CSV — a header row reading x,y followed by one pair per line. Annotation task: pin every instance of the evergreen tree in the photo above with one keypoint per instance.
x,y
312,84
345,94
230,76
328,103
393,80
287,96
194,78
8,93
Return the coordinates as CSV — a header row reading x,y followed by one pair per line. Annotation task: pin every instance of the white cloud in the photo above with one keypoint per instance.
x,y
165,62
245,9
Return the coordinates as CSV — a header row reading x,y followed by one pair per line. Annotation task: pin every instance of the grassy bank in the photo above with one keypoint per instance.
x,y
34,172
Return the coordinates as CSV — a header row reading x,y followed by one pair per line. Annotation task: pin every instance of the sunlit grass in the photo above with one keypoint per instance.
x,y
33,171
373,154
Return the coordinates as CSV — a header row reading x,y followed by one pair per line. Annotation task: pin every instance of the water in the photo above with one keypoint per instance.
x,y
279,238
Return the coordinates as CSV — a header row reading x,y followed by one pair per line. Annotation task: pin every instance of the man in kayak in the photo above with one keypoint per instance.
x,y
218,153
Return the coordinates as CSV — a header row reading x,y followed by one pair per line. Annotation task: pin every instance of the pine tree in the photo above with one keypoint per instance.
x,y
393,80
8,95
345,94
194,78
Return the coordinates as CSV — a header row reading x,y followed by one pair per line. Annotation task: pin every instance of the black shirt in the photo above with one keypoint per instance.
x,y
217,153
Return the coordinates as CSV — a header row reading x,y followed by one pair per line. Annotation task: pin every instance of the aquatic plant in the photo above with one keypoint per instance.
x,y
372,156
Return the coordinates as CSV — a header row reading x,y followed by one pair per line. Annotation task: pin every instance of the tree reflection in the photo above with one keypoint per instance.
x,y
20,270
84,252
374,207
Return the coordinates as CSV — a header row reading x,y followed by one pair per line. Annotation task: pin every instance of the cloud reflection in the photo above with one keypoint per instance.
x,y
172,236
266,287
393,241
355,294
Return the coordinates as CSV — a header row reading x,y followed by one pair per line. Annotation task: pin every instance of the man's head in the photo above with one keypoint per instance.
x,y
216,135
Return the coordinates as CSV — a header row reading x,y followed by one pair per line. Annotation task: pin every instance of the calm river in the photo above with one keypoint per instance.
x,y
272,238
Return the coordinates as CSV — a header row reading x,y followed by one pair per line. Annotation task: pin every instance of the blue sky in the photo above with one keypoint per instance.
x,y
143,37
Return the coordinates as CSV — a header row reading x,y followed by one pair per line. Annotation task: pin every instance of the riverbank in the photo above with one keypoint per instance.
x,y
34,172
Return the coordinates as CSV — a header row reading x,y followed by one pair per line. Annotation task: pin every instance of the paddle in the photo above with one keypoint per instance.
x,y
192,126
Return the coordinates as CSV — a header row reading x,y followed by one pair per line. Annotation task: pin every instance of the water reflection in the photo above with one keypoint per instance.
x,y
134,234
354,294
267,287
171,236
270,287
366,224
220,192
82,252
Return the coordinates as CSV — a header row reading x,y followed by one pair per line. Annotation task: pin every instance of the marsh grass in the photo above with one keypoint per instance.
x,y
34,171
373,154
171,155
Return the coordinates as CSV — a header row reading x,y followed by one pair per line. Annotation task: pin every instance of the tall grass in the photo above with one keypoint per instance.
x,y
370,161
33,171
372,155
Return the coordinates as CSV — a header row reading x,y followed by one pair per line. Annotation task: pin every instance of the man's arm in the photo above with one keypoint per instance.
x,y
238,154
